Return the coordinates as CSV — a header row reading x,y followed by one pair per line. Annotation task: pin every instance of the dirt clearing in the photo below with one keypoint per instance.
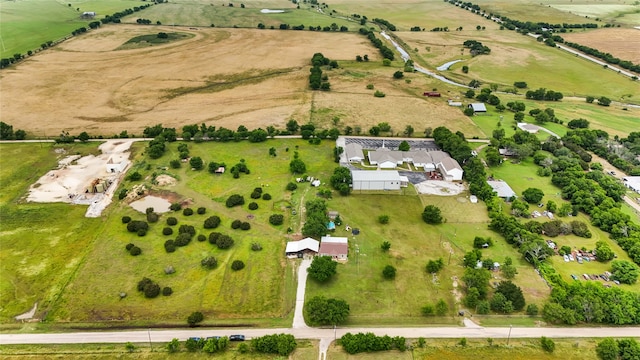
x,y
437,187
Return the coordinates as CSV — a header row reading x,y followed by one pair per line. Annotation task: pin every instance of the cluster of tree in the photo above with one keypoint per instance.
x,y
578,124
322,311
133,249
544,94
543,116
115,17
417,28
384,50
240,167
276,219
621,153
149,288
143,21
458,148
234,200
160,135
369,342
362,58
78,31
317,219
317,81
322,268
385,23
476,47
281,344
622,349
211,133
341,180
436,29
222,241
7,133
239,224
440,308
558,227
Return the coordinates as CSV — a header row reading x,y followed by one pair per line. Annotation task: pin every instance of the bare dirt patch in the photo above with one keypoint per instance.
x,y
165,180
443,188
621,43
158,204
130,89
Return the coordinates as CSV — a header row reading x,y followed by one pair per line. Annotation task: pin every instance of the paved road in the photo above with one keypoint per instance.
x,y
142,336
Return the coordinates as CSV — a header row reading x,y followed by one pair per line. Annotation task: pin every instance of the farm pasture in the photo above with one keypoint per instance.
x,y
620,42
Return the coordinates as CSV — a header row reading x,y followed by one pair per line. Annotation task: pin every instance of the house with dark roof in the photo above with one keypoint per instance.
x,y
336,247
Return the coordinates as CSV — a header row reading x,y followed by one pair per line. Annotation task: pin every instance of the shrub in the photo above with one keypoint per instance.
x,y
389,272
253,206
167,231
245,226
431,215
547,344
171,221
129,246
292,186
148,210
433,266
202,238
385,246
152,217
276,219
478,242
195,318
243,348
428,310
135,251
134,176
126,219
224,242
212,222
236,224
256,195
383,219
237,265
183,239
187,212
532,309
256,247
151,290
209,262
234,200
175,164
187,229
213,237
142,232
169,246
166,291
202,210
136,225
175,207
266,197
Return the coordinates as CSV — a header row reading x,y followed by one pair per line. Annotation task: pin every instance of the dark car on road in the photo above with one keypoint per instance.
x,y
236,338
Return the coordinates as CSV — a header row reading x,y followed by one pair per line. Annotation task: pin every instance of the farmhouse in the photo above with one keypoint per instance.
x,y
450,169
632,182
530,128
354,152
336,247
502,189
302,248
376,180
478,107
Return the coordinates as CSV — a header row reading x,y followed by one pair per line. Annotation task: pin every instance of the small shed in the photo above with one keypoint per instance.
x,y
478,107
431,94
454,103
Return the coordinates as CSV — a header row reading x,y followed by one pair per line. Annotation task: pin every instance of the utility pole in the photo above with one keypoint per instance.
x,y
149,333
509,337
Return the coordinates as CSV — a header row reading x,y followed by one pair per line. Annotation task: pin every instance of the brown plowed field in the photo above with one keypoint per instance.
x,y
221,77
621,43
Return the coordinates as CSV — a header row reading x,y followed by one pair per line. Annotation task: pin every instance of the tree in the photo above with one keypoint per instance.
x,y
409,130
465,69
431,215
511,293
237,265
385,246
322,311
209,262
84,137
470,94
533,195
195,318
604,101
297,166
398,75
607,349
624,271
341,179
434,266
603,252
389,272
322,268
404,146
196,163
276,219
292,126
212,222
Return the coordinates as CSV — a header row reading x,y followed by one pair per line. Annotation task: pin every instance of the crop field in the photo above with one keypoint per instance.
x,y
554,12
620,42
27,24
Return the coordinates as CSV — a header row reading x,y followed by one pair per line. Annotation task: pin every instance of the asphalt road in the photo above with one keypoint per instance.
x,y
141,336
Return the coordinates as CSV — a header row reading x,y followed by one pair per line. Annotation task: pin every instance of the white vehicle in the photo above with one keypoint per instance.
x,y
566,258
571,257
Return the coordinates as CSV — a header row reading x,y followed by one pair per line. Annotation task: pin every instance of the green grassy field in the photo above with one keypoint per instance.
x,y
27,24
42,244
204,13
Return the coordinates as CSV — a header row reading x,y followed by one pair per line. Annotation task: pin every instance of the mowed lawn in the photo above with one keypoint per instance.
x,y
263,292
42,244
27,24
522,176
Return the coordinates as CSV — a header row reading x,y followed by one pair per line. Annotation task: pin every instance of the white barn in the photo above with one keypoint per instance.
x,y
113,167
376,180
450,169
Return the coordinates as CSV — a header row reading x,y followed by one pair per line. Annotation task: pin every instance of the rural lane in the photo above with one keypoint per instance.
x,y
142,336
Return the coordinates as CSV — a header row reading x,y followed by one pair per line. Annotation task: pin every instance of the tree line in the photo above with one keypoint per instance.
x,y
384,50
